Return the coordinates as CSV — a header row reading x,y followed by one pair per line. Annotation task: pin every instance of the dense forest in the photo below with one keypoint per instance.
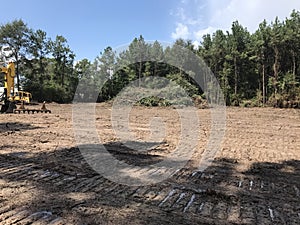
x,y
253,69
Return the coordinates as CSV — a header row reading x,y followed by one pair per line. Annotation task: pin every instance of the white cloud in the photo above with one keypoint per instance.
x,y
196,44
249,12
200,33
194,18
181,31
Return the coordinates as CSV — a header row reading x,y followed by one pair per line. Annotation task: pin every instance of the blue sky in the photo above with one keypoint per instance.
x,y
90,26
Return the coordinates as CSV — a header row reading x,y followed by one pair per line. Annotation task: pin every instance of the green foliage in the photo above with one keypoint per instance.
x,y
235,100
256,69
154,101
183,83
267,61
15,35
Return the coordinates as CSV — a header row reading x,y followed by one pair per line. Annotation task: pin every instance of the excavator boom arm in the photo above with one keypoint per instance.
x,y
9,77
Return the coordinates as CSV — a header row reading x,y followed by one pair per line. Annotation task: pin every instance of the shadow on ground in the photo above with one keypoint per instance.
x,y
62,187
15,126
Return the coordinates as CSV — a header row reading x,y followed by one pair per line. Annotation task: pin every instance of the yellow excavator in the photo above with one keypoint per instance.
x,y
9,77
10,98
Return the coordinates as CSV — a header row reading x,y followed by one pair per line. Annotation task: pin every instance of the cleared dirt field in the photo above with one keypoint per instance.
x,y
254,179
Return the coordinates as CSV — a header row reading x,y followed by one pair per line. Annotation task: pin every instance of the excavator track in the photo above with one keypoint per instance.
x,y
31,111
22,109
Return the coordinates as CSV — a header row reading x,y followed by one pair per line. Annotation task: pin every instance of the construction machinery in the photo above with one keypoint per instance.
x,y
9,77
10,98
21,96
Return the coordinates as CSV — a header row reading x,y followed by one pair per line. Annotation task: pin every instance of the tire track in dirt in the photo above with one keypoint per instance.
x,y
203,202
58,183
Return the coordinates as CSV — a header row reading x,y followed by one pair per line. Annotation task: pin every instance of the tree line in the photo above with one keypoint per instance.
x,y
262,67
44,67
253,69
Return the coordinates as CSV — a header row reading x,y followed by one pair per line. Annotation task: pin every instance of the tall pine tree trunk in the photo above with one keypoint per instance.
x,y
17,73
294,66
235,76
263,85
140,72
63,72
276,69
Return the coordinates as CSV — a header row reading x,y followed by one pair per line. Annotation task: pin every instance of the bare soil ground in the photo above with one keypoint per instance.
x,y
254,179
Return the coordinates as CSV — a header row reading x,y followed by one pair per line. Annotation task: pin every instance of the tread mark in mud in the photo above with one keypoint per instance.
x,y
170,194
